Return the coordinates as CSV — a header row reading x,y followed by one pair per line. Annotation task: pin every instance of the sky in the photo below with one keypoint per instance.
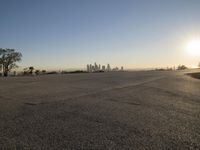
x,y
64,34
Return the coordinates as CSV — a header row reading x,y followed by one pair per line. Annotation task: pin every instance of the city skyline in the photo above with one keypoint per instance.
x,y
70,34
102,68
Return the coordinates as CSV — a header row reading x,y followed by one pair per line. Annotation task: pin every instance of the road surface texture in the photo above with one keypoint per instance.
x,y
119,110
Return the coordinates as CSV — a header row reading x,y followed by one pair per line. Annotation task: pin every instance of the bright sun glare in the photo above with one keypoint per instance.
x,y
193,47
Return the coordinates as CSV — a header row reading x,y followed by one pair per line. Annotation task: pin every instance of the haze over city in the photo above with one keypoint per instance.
x,y
68,34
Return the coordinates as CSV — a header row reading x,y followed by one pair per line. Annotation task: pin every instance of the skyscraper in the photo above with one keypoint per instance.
x,y
96,68
99,67
108,68
88,68
103,68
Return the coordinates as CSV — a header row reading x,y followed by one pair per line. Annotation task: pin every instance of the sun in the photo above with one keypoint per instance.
x,y
193,47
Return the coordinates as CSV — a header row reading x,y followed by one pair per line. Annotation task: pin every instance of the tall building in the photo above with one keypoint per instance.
x,y
93,69
108,68
96,68
88,68
99,67
103,68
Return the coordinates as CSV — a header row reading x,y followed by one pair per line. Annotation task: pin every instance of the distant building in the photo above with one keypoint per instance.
x,y
93,69
115,69
98,68
88,68
108,68
104,68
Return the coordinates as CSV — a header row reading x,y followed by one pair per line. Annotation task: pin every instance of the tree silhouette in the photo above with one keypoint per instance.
x,y
31,70
37,72
44,71
8,59
182,67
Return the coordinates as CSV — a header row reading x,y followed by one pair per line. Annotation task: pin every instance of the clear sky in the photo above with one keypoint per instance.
x,y
66,34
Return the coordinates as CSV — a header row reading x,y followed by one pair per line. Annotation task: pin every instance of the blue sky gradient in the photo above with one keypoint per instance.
x,y
62,34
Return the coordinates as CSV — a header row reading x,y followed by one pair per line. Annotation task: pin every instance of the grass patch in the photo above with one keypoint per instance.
x,y
195,75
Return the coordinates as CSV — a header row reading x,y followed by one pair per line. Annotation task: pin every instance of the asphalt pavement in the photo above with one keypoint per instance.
x,y
118,110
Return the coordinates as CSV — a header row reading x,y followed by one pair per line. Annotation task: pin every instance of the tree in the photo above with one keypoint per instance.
x,y
8,59
37,72
44,71
182,67
31,70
